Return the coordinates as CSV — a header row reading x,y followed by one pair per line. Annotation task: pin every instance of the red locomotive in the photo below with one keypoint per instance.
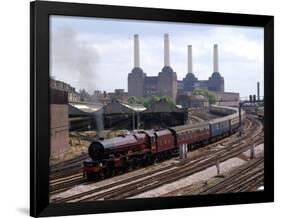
x,y
123,153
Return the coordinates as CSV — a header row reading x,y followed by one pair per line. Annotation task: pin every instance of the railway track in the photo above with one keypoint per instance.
x,y
150,180
203,115
73,166
244,178
162,179
65,183
241,179
194,119
68,167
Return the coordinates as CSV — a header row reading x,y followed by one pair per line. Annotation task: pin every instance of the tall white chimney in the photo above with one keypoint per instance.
x,y
216,58
189,56
166,50
136,51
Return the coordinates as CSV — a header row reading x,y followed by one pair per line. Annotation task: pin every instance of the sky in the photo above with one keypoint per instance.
x,y
97,53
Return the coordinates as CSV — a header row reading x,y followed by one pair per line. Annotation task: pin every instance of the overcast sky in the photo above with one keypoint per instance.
x,y
94,53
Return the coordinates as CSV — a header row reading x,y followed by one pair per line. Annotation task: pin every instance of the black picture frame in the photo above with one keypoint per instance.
x,y
39,107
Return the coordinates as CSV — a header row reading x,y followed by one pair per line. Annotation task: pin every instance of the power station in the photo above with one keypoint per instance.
x,y
166,83
141,85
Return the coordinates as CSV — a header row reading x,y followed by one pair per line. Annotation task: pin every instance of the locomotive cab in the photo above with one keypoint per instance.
x,y
151,140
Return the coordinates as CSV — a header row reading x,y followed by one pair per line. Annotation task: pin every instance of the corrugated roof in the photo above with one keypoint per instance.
x,y
87,107
73,111
136,107
116,107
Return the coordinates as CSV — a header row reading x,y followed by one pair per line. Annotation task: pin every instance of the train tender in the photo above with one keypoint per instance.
x,y
119,154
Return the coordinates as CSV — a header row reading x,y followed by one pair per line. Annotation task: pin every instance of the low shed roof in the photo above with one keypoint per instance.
x,y
162,106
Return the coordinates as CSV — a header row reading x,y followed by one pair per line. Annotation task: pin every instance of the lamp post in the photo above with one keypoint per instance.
x,y
137,117
135,107
185,110
133,119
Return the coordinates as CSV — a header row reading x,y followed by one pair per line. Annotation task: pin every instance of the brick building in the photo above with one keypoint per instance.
x,y
190,83
59,123
166,83
141,85
73,96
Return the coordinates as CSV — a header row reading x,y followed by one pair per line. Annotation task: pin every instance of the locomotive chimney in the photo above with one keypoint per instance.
x,y
166,50
136,51
189,62
216,61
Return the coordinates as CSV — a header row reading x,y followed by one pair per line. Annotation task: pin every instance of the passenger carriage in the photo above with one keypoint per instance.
x,y
219,127
191,135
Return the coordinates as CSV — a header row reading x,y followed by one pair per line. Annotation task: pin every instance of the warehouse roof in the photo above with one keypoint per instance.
x,y
135,107
87,107
163,107
116,107
73,111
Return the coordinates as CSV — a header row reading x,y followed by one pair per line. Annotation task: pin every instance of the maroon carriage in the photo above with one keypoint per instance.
x,y
191,135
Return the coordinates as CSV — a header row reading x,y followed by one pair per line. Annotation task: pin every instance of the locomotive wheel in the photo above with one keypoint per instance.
x,y
92,177
102,175
148,159
138,165
134,164
89,176
112,172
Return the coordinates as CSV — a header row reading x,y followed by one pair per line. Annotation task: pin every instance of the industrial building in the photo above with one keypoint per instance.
x,y
104,97
73,96
166,83
141,85
192,101
190,82
228,99
82,115
117,115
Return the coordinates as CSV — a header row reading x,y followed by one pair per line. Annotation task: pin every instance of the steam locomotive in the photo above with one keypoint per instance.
x,y
123,153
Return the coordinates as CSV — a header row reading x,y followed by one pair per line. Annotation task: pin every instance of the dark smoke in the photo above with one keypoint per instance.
x,y
99,120
73,60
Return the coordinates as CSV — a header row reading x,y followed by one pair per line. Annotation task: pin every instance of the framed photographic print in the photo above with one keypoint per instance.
x,y
144,108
